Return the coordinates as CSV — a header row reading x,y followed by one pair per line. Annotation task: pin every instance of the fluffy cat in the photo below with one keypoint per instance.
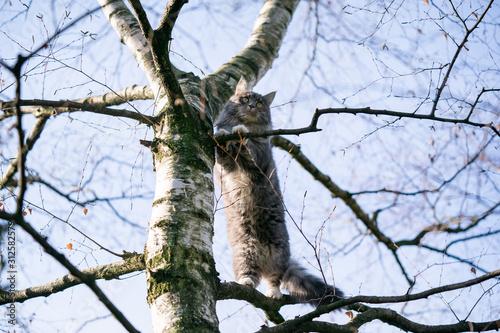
x,y
255,216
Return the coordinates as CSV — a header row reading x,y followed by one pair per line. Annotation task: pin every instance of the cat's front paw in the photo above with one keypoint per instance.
x,y
274,293
240,129
221,132
247,282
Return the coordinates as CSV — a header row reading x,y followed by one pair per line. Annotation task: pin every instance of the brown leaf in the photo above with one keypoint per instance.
x,y
350,314
85,211
475,15
69,246
425,2
473,270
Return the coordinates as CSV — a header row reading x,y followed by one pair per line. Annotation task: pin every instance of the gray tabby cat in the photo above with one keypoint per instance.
x,y
253,203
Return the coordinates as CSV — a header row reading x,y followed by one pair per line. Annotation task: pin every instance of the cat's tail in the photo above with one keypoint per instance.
x,y
307,288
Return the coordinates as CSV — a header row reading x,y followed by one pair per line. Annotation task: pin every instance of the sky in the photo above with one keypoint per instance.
x,y
358,55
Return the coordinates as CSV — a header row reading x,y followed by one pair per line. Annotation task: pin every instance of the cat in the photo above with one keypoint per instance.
x,y
255,215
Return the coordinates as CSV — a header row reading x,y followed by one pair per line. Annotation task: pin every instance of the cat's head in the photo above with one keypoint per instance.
x,y
248,108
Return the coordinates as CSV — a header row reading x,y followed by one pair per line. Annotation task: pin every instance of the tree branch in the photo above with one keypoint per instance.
x,y
270,306
334,189
128,29
468,32
135,262
393,318
375,112
369,222
142,19
169,17
305,324
58,107
28,145
89,281
312,127
260,51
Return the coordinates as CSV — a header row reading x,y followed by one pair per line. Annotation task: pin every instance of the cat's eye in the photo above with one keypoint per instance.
x,y
259,104
245,99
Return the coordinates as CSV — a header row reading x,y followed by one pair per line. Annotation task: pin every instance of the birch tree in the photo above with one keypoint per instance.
x,y
182,282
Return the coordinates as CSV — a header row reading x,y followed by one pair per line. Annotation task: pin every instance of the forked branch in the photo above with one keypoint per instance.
x,y
305,323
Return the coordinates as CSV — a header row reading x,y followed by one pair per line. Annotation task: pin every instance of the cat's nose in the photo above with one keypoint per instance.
x,y
251,106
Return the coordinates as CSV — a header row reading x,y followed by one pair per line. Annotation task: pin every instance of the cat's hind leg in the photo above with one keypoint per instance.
x,y
246,281
273,289
246,269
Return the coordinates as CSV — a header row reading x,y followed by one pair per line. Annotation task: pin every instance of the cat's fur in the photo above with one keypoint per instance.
x,y
253,203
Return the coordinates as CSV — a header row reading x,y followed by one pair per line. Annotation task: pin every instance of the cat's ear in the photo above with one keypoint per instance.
x,y
242,86
269,97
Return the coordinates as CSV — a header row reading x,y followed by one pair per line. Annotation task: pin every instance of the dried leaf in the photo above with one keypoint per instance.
x,y
473,270
425,2
475,15
69,246
85,211
350,314
445,36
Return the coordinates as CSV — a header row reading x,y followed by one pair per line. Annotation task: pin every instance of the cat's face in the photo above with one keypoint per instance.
x,y
250,108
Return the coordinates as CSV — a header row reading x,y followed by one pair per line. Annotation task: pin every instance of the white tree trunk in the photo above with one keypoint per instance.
x,y
180,270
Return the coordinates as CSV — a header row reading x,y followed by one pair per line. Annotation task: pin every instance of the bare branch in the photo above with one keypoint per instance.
x,y
169,17
89,281
336,191
142,19
58,107
30,142
259,52
312,127
234,290
133,263
18,217
375,112
370,222
271,306
468,32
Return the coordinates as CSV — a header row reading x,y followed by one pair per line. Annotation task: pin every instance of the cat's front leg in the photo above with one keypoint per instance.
x,y
222,132
246,269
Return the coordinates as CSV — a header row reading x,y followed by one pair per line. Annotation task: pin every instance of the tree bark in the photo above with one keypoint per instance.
x,y
181,277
